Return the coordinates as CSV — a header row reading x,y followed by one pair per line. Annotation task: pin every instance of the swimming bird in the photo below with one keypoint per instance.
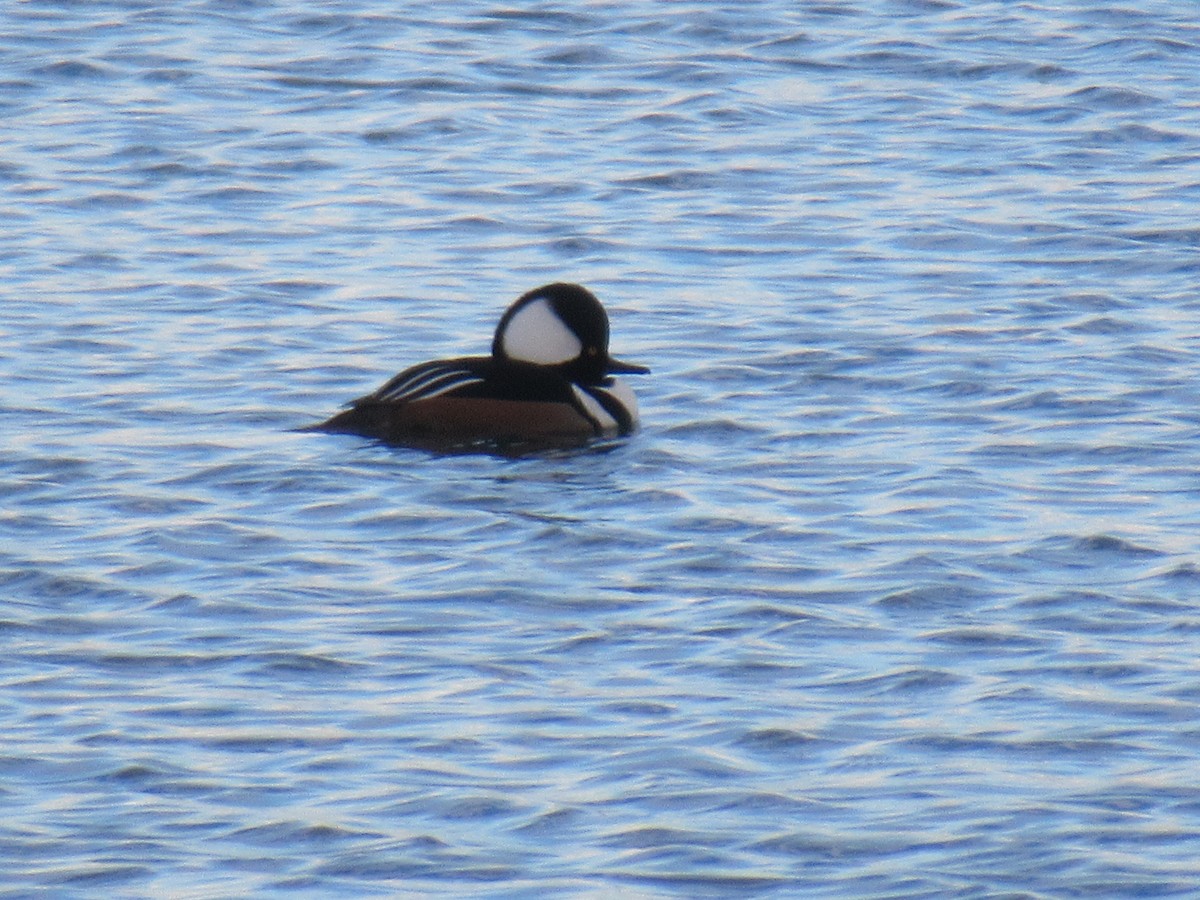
x,y
549,378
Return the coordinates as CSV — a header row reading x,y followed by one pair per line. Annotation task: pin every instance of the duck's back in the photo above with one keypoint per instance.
x,y
470,398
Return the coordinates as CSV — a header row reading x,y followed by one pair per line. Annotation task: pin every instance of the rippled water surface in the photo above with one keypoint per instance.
x,y
894,594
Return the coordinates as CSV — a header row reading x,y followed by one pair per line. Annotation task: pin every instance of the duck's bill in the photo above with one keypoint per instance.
x,y
625,368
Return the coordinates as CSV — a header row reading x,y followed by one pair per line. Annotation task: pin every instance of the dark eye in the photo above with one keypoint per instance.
x,y
592,351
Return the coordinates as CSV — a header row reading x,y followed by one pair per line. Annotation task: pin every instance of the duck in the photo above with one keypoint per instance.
x,y
550,378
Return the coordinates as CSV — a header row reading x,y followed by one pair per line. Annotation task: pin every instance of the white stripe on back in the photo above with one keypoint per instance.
x,y
428,381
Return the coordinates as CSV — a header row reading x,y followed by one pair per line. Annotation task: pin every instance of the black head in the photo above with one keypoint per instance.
x,y
563,326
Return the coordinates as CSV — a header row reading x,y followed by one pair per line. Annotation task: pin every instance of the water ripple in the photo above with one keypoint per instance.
x,y
892,594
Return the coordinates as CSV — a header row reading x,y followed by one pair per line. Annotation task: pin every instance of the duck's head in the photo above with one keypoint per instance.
x,y
562,326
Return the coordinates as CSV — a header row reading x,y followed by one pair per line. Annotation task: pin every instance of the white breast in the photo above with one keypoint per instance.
x,y
597,412
624,393
619,391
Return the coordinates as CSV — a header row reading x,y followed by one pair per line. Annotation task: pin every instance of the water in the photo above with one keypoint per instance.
x,y
893,595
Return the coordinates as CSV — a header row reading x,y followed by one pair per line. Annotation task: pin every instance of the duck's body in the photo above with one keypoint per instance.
x,y
548,379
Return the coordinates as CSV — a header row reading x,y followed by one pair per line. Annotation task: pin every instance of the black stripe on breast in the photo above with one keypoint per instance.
x,y
612,406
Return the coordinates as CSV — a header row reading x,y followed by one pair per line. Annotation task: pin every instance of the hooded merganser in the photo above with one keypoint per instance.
x,y
549,378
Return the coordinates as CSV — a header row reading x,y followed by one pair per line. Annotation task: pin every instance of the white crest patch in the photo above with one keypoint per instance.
x,y
537,335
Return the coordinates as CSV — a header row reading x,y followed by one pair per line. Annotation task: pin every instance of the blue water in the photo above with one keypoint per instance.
x,y
895,593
